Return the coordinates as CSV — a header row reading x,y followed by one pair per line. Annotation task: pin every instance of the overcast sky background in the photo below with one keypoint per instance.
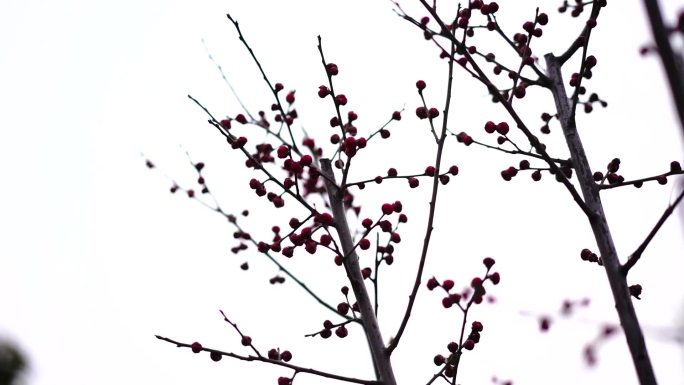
x,y
96,257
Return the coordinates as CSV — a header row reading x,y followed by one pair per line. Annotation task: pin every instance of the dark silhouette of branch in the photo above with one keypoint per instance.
x,y
296,368
636,255
671,63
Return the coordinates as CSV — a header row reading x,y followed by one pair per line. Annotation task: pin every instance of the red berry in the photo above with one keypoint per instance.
x,y
488,262
241,119
590,62
477,326
432,283
283,152
536,175
469,344
495,278
448,284
341,331
502,128
542,19
341,99
421,112
413,182
366,272
397,206
544,323
215,356
453,170
367,223
396,115
286,355
446,302
464,138
325,219
438,360
196,347
598,176
364,244
528,26
332,69
490,127
420,84
246,341
343,307
273,354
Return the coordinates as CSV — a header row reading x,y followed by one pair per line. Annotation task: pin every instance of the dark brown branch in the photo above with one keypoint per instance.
x,y
636,255
580,40
225,79
670,63
381,360
263,74
278,363
433,205
639,181
534,141
599,225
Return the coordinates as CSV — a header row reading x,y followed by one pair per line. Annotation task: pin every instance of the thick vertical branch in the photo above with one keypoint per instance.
x,y
599,226
671,64
381,359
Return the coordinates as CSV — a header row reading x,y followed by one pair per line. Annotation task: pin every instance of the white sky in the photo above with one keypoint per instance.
x,y
96,257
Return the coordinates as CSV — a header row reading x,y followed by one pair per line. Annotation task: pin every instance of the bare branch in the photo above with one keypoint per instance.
x,y
600,228
296,368
675,77
381,360
636,255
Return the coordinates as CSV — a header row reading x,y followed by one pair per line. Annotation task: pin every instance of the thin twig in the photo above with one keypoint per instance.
x,y
433,206
297,369
636,255
639,181
534,141
225,79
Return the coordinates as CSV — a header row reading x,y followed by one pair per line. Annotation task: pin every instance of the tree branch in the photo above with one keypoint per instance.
x,y
278,363
636,255
670,62
599,226
433,205
381,359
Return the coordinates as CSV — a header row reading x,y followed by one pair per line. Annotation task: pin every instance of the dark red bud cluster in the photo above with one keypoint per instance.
x,y
464,138
589,256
